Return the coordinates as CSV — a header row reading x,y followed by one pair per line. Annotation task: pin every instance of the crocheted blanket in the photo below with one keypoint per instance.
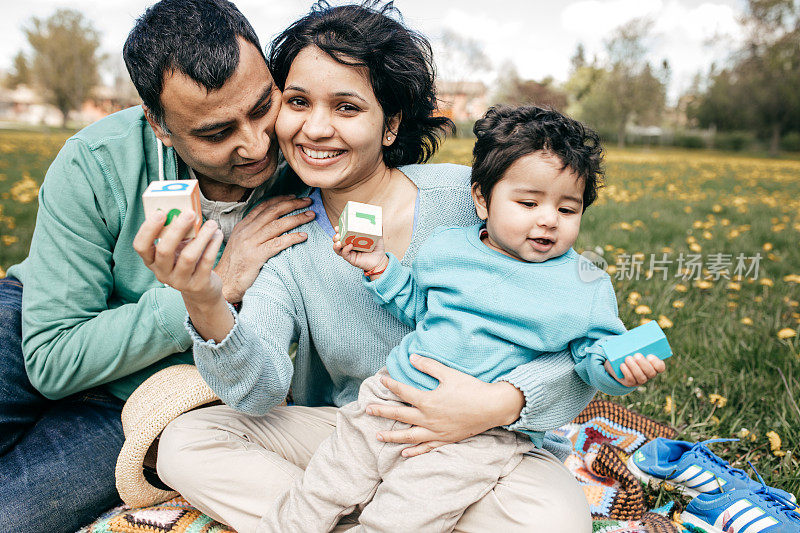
x,y
603,436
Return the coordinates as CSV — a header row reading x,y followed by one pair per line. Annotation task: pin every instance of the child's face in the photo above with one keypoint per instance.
x,y
535,209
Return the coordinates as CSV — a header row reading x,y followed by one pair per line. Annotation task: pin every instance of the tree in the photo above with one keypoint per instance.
x,y
758,90
65,58
20,73
459,58
627,89
513,90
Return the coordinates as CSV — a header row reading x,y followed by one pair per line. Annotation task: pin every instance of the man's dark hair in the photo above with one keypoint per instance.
x,y
505,134
399,62
195,37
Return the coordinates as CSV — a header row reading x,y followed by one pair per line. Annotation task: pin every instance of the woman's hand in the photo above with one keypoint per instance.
x,y
460,407
366,261
637,370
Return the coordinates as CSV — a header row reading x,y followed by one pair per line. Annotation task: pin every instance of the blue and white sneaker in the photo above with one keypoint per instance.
x,y
692,468
742,511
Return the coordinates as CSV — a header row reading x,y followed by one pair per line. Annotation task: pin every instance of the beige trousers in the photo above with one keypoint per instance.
x,y
234,467
353,470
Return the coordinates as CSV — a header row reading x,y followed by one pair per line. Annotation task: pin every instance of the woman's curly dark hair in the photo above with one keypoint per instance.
x,y
399,61
505,134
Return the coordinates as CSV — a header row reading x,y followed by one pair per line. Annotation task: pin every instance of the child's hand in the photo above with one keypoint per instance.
x,y
366,261
637,370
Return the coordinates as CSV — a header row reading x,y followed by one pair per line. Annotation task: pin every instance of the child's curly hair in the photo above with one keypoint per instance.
x,y
506,134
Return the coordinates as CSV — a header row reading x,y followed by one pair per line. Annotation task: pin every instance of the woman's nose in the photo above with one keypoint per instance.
x,y
318,124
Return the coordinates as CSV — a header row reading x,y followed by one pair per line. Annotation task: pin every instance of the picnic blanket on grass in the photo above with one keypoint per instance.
x,y
603,436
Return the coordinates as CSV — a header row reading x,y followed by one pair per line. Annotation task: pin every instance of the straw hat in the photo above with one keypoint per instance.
x,y
161,398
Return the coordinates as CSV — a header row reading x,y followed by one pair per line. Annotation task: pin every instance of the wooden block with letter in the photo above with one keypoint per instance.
x,y
174,197
361,225
646,339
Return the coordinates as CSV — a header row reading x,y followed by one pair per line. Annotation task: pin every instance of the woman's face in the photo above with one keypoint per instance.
x,y
331,126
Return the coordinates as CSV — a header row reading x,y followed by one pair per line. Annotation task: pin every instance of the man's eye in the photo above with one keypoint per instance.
x,y
217,137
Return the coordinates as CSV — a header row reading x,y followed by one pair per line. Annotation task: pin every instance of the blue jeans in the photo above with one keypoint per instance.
x,y
57,458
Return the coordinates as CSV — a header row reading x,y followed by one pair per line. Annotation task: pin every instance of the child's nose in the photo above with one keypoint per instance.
x,y
547,217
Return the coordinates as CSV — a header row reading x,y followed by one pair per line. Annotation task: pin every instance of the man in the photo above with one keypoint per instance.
x,y
94,322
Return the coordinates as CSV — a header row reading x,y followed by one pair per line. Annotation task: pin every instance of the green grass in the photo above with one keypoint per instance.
x,y
735,204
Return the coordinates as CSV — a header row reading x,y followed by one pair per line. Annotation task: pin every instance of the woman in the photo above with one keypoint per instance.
x,y
358,94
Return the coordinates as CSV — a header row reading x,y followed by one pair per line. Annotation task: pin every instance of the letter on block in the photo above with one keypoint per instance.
x,y
173,197
646,339
361,225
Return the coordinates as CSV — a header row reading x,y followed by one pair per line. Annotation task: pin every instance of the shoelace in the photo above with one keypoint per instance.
x,y
701,448
775,500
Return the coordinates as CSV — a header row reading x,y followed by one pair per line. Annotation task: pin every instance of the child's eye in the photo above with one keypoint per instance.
x,y
528,204
567,210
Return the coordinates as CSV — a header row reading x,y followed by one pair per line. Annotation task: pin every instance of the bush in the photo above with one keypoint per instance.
x,y
689,141
791,142
734,141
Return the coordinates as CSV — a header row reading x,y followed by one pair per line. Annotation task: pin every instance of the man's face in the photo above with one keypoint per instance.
x,y
226,135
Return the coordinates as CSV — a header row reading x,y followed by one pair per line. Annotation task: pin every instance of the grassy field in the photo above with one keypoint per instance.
x,y
736,370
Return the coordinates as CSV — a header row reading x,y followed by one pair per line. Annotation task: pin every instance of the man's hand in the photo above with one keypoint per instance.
x,y
256,238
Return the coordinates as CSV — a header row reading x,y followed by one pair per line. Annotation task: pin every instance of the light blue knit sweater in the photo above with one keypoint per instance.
x,y
309,295
484,313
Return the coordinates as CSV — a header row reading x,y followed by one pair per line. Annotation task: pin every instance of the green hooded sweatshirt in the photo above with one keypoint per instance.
x,y
93,314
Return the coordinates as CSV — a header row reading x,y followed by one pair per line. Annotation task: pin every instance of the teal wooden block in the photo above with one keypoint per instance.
x,y
646,339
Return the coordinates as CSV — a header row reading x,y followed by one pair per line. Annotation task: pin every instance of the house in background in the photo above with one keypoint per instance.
x,y
462,101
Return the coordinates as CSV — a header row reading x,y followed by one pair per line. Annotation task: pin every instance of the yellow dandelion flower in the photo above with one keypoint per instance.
x,y
717,400
787,333
773,257
690,239
725,222
792,303
608,247
668,406
8,240
775,444
678,304
747,321
644,321
680,287
703,284
733,305
732,234
612,269
742,433
633,297
714,420
2,273
716,208
666,250
664,322
753,437
707,235
625,226
758,299
687,209
734,286
765,282
767,246
695,247
792,278
697,224
642,310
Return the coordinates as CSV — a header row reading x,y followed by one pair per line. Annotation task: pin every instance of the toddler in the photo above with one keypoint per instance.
x,y
484,300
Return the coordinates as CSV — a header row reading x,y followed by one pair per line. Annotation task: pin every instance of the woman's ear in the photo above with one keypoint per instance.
x,y
158,129
391,128
481,206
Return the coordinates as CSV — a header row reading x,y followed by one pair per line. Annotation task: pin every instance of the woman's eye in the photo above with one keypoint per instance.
x,y
296,102
349,108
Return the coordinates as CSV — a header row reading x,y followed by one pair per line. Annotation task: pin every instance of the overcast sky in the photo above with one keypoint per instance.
x,y
538,36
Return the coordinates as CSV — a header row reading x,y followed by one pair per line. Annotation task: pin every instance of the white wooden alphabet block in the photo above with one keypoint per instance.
x,y
174,197
361,225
